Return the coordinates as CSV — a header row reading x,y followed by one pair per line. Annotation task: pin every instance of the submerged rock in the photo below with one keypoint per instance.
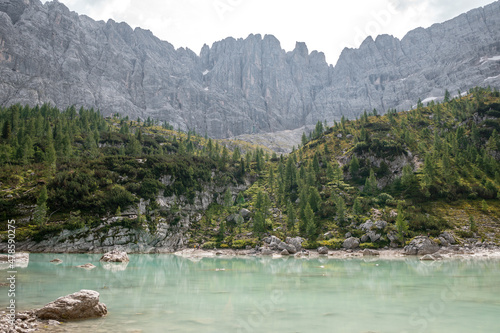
x,y
115,256
80,305
88,266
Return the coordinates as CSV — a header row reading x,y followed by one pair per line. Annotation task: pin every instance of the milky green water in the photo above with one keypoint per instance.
x,y
167,293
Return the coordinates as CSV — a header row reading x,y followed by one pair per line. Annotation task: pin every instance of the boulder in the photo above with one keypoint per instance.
x,y
323,250
296,242
115,256
56,261
351,243
373,236
88,266
393,236
367,226
368,252
80,305
266,252
21,259
421,245
364,238
245,213
285,253
380,224
328,235
289,247
449,237
347,235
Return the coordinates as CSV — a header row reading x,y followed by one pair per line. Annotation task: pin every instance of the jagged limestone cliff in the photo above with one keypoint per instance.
x,y
49,54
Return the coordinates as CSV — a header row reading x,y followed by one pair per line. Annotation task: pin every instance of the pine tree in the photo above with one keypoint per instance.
x,y
228,198
40,216
314,199
310,223
236,155
291,217
357,208
304,139
6,130
340,205
354,167
401,224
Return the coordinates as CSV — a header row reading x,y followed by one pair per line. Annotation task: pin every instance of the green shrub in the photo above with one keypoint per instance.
x,y
333,243
208,245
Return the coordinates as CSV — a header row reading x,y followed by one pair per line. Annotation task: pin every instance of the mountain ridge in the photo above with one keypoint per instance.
x,y
236,86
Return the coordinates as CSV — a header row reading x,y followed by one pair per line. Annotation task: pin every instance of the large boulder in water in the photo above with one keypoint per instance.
x,y
115,256
80,305
421,245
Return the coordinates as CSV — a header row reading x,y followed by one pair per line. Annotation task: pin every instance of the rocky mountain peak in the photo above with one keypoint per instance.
x,y
49,54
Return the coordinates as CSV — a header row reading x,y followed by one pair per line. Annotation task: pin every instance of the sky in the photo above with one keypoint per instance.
x,y
324,25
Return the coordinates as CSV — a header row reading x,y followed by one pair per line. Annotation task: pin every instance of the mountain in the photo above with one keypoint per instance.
x,y
236,86
80,182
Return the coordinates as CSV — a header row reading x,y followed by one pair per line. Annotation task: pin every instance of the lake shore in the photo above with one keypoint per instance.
x,y
442,254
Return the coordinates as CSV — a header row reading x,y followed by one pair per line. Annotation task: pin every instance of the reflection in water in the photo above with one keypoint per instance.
x,y
168,293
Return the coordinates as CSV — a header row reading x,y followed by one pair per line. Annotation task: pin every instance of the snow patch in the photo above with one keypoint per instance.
x,y
494,58
492,78
206,72
206,89
430,99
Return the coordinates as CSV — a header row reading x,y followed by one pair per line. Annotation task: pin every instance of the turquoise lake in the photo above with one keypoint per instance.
x,y
168,293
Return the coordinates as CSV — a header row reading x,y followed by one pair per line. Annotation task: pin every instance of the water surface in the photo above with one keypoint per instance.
x,y
167,293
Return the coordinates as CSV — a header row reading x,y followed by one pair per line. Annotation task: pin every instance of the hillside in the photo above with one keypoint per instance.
x,y
384,179
49,54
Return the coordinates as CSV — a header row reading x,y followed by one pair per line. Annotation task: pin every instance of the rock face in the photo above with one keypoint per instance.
x,y
80,305
115,256
244,86
421,245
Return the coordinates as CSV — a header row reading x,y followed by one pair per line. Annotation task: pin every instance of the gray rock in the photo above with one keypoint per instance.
x,y
364,238
380,224
448,236
236,86
115,256
296,242
328,235
367,226
284,253
323,250
348,235
266,252
428,257
351,243
368,252
88,266
80,305
373,236
393,236
245,213
421,245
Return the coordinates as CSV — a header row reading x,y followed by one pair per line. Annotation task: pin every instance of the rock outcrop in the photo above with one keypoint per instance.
x,y
115,256
236,86
421,245
80,305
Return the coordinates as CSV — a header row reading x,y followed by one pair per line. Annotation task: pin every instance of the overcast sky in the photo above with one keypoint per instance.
x,y
325,25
